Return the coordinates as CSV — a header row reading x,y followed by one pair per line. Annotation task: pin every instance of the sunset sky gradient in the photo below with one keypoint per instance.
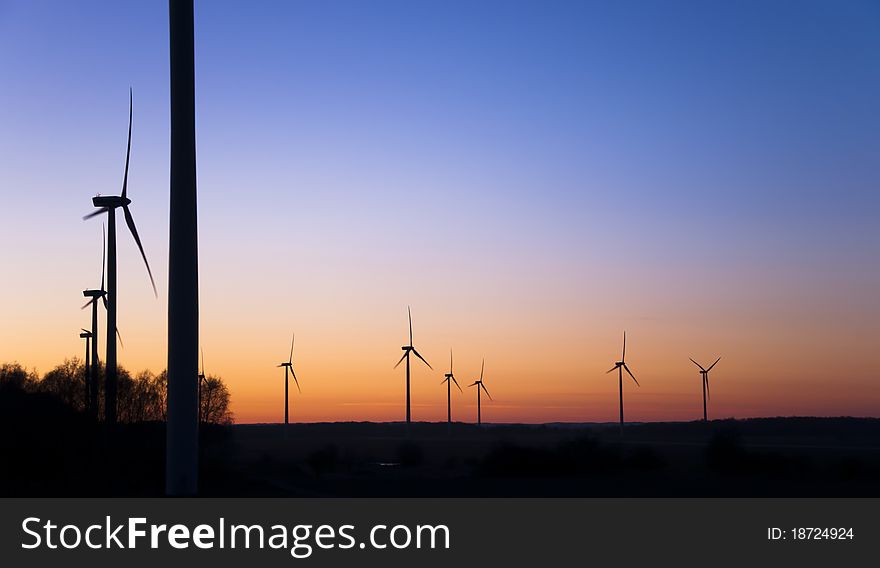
x,y
531,177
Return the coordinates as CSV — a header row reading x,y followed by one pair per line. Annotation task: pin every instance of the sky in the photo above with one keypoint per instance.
x,y
533,178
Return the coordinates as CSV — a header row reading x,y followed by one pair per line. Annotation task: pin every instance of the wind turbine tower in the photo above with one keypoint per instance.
x,y
621,367
407,349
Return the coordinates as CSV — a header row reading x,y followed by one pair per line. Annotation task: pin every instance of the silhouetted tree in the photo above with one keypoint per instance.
x,y
14,377
141,398
65,382
157,386
215,402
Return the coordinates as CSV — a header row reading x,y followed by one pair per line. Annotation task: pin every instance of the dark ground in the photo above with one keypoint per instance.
x,y
48,450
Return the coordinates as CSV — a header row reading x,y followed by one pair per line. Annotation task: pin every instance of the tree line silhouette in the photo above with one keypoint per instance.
x,y
141,397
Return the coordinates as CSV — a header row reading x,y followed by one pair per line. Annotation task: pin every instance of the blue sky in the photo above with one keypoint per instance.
x,y
622,161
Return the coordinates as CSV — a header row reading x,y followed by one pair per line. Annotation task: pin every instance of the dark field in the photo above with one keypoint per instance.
x,y
48,450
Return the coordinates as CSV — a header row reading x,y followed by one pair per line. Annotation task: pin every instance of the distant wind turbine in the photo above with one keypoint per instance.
x,y
704,373
406,351
202,379
621,367
108,204
92,402
450,378
480,386
87,335
288,366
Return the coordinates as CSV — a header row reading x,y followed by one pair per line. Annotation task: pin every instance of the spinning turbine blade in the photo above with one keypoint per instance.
x,y
487,390
405,353
128,149
631,375
456,384
290,359
713,364
129,220
103,253
423,359
697,364
95,213
294,380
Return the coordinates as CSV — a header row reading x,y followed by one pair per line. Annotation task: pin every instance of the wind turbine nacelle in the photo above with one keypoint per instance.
x,y
110,201
85,334
93,293
406,348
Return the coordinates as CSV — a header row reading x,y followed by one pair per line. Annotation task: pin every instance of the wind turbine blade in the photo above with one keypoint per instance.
x,y
713,364
474,383
486,390
203,360
104,300
612,369
294,380
631,375
89,303
128,149
423,359
103,252
482,366
119,336
450,360
697,364
623,357
409,314
129,220
85,330
95,213
706,378
290,359
405,353
456,384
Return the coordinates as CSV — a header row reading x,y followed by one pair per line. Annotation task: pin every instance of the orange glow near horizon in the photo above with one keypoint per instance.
x,y
551,371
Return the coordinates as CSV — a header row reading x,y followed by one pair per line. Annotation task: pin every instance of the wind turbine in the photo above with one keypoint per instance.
x,y
621,367
289,366
202,378
450,378
704,373
108,204
92,402
480,386
87,335
406,351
